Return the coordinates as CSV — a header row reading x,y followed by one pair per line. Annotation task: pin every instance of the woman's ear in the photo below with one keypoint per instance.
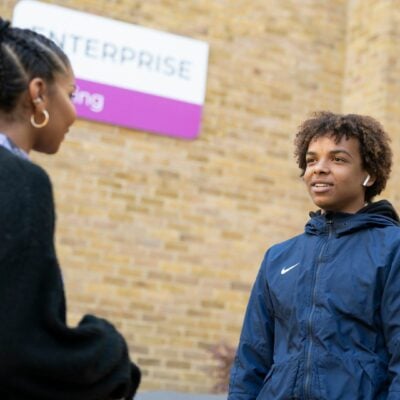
x,y
38,93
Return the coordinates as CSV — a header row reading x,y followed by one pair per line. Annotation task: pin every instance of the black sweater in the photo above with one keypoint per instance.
x,y
41,358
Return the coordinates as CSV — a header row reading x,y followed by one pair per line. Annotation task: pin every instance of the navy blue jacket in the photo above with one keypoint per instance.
x,y
323,319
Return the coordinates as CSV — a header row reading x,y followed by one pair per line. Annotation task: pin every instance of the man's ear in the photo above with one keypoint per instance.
x,y
369,180
38,93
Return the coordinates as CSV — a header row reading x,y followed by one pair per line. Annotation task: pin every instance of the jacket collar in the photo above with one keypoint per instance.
x,y
379,214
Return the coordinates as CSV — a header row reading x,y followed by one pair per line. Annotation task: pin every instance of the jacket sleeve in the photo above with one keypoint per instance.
x,y
390,312
41,357
255,351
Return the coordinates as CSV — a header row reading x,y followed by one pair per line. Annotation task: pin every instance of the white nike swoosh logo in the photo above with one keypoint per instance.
x,y
285,270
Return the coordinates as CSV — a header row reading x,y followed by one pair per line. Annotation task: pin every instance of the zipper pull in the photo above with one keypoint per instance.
x,y
329,224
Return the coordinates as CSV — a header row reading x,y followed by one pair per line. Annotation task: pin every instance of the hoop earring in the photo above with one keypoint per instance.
x,y
41,124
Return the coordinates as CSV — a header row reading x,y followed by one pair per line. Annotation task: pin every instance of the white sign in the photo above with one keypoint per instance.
x,y
117,55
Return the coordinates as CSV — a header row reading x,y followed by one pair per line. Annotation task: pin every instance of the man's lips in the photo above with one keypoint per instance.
x,y
321,187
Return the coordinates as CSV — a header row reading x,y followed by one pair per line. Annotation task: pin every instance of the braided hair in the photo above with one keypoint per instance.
x,y
24,55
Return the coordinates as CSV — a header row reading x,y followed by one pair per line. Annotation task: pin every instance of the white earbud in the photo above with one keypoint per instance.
x,y
366,181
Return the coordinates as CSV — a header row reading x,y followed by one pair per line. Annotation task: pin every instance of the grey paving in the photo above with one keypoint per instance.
x,y
178,396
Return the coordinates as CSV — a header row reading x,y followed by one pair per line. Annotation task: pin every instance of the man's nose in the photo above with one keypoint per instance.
x,y
321,167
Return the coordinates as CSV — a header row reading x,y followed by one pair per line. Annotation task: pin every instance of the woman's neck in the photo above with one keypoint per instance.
x,y
19,133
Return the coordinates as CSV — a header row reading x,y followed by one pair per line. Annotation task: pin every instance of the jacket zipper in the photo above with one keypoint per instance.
x,y
307,381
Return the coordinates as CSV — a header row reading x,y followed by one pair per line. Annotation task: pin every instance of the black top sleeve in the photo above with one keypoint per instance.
x,y
40,356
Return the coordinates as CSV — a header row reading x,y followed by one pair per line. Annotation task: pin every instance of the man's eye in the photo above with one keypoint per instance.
x,y
310,160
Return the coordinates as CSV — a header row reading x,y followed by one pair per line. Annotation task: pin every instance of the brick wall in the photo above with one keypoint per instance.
x,y
372,71
164,237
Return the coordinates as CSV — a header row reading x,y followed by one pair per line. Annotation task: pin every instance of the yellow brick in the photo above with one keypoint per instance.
x,y
165,236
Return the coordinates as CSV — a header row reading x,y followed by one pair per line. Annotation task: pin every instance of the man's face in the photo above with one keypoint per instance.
x,y
334,174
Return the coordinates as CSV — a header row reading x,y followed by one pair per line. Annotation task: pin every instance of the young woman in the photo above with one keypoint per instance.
x,y
323,320
41,358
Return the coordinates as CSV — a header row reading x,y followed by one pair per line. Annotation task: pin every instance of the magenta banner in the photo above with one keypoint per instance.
x,y
132,109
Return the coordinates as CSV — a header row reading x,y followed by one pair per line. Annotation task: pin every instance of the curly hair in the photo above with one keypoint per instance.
x,y
375,151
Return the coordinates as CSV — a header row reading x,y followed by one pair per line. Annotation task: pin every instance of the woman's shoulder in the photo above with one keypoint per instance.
x,y
17,171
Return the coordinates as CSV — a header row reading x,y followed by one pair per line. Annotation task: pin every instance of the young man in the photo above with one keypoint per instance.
x,y
323,319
